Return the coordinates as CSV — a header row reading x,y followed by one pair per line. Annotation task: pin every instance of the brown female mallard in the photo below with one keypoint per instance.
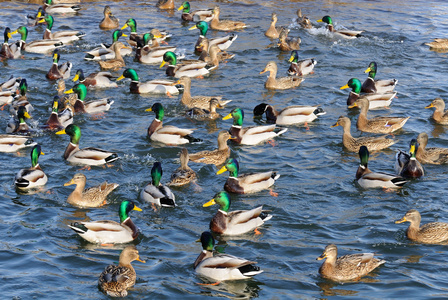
x,y
303,21
286,43
197,101
440,115
438,44
109,21
184,174
282,83
435,156
224,25
212,54
200,114
272,31
165,4
217,156
116,63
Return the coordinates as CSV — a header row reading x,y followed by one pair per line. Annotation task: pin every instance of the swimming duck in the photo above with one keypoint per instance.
x,y
58,121
38,46
117,62
250,135
90,107
272,31
34,176
191,69
246,183
116,280
106,51
13,143
33,19
169,134
109,21
184,174
300,67
213,55
352,144
224,25
95,80
438,44
377,86
92,197
155,192
147,54
303,21
290,115
205,15
348,267
62,36
149,87
134,37
279,83
222,42
286,43
378,124
368,179
110,232
222,266
235,222
19,125
407,165
202,102
429,233
348,34
440,116
432,155
65,100
61,71
200,114
5,50
11,84
51,8
165,4
375,100
21,99
217,156
86,156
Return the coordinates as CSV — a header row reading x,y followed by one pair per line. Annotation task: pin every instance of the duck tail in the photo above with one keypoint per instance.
x,y
282,130
192,139
78,227
112,158
275,176
319,111
250,270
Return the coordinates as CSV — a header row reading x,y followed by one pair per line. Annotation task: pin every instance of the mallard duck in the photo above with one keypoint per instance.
x,y
438,44
169,134
378,124
435,156
407,165
19,125
86,156
15,48
217,156
90,107
160,35
200,114
116,280
348,34
134,37
202,102
115,63
6,97
110,232
11,84
33,19
222,42
286,43
34,176
279,83
61,71
21,99
155,192
303,21
377,86
300,67
106,51
440,116
51,8
149,87
234,222
184,174
65,100
165,4
250,135
368,179
375,100
430,233
272,31
246,183
193,68
196,15
224,25
290,115
352,144
62,36
222,266
5,50
38,46
213,55
348,267
13,143
92,197
58,121
109,21
96,80
151,54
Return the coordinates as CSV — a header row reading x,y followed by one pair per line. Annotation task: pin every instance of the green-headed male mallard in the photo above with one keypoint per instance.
x,y
222,42
19,125
38,46
59,71
407,165
134,37
34,176
62,36
195,68
205,15
300,67
92,106
58,121
375,100
377,86
157,86
290,115
155,192
347,34
5,50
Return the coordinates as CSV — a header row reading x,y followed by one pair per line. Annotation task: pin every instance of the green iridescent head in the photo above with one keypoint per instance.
x,y
371,70
207,241
156,173
80,89
364,155
222,199
23,32
73,131
230,165
131,23
49,20
48,2
129,73
125,208
185,7
238,116
326,19
202,26
35,153
157,108
23,86
355,84
170,58
294,56
147,37
116,35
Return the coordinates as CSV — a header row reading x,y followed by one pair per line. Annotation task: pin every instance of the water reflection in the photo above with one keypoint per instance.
x,y
241,289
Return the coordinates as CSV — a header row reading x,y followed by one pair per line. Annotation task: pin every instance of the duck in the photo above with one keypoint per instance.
x,y
347,34
435,156
440,116
61,71
301,67
202,102
92,197
13,143
205,15
116,280
43,46
19,125
250,135
282,83
15,48
353,144
375,100
165,4
109,21
86,156
157,86
193,68
272,31
62,36
106,51
200,114
34,176
110,232
378,124
155,192
169,134
58,121
63,8
407,165
134,37
92,106
11,84
5,50
234,222
115,63
246,183
286,43
147,54
217,156
6,97
302,20
184,174
222,266
96,79
429,233
21,99
377,86
213,55
222,42
369,179
438,44
65,100
33,19
290,115
224,25
349,267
